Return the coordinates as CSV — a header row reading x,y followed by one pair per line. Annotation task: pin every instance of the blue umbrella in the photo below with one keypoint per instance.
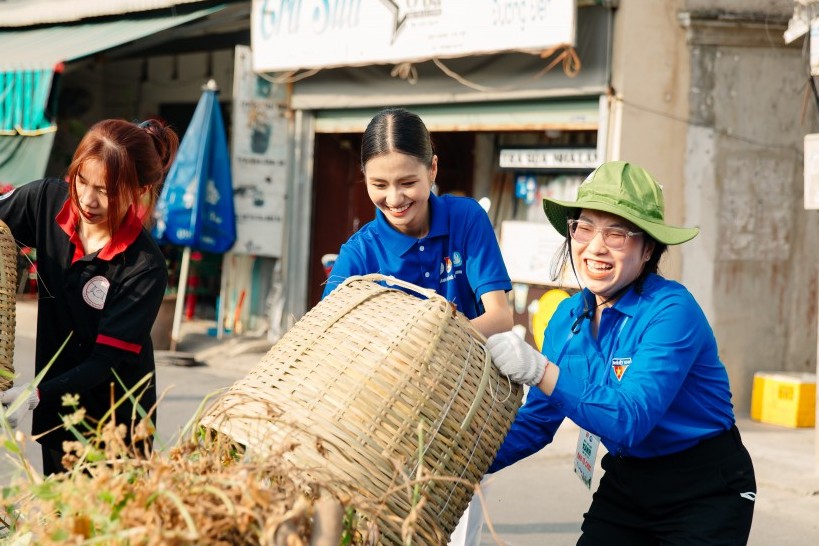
x,y
195,209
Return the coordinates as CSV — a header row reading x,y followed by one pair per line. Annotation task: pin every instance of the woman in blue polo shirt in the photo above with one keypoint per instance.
x,y
101,277
443,243
632,360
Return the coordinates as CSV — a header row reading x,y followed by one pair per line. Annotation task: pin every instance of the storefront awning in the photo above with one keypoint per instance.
x,y
510,76
576,114
45,47
31,57
23,13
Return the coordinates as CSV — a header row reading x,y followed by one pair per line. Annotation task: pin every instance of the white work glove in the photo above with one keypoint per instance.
x,y
11,417
8,397
516,359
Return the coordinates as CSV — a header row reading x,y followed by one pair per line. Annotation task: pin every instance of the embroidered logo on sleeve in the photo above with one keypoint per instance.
x,y
620,365
95,291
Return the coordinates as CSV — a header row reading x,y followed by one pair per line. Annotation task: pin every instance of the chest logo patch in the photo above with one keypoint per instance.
x,y
447,264
456,259
620,365
95,291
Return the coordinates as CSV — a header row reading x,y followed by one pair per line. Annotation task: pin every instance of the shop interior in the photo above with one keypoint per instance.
x,y
468,165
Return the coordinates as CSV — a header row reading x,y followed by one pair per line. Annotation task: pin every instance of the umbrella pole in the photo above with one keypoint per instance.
x,y
223,294
180,297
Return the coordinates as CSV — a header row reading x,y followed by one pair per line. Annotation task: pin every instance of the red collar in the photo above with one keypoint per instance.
x,y
129,230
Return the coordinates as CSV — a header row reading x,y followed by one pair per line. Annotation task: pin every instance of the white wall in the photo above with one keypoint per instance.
x,y
650,105
744,179
717,111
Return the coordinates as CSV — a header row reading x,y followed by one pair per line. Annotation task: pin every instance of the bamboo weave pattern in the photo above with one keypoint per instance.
x,y
8,294
351,383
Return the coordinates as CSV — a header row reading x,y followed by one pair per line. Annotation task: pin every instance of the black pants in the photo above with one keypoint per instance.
x,y
701,496
52,461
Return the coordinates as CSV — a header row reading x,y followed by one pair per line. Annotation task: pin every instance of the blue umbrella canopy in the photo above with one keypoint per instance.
x,y
195,208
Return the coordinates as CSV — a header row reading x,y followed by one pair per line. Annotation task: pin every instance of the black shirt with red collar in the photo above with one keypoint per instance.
x,y
109,299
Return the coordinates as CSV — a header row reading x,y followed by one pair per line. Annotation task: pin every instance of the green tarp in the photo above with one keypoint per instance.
x,y
24,158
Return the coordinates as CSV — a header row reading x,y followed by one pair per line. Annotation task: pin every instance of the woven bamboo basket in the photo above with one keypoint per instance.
x,y
371,385
8,294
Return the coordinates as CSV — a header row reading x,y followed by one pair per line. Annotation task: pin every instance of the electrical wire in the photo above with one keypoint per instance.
x,y
727,133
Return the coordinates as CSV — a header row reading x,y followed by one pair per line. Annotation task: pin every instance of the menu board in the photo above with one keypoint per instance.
x,y
528,249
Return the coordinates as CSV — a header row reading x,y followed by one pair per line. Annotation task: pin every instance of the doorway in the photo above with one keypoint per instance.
x,y
340,202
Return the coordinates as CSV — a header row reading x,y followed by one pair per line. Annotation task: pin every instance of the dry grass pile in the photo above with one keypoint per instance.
x,y
202,491
369,422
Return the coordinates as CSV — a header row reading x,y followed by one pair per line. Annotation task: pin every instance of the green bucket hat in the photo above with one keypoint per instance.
x,y
626,190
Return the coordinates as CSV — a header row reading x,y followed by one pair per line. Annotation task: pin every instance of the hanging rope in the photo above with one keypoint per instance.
x,y
405,71
463,81
291,76
566,54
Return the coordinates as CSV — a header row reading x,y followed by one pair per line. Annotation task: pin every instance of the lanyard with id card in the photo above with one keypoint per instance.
x,y
587,443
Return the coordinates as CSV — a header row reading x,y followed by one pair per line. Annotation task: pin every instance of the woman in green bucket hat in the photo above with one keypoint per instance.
x,y
632,360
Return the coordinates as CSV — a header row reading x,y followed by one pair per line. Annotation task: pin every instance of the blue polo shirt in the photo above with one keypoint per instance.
x,y
459,258
651,384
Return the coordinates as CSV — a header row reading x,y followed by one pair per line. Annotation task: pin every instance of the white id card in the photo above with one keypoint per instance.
x,y
586,455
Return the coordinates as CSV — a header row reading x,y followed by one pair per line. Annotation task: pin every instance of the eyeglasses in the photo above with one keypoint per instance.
x,y
614,237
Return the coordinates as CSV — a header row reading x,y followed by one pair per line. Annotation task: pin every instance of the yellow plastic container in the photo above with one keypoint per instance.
x,y
784,398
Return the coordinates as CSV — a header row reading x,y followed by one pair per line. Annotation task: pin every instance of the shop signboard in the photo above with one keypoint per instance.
x,y
528,249
548,158
301,34
259,156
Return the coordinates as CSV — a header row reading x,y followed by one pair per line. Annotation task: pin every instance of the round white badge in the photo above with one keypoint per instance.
x,y
95,290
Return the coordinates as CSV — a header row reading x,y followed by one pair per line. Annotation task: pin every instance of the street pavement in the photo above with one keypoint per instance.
x,y
537,501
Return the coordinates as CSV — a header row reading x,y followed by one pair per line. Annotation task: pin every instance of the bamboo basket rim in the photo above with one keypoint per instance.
x,y
352,379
